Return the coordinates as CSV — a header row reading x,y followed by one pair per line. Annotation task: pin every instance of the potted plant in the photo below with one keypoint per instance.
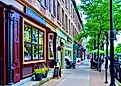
x,y
46,70
38,74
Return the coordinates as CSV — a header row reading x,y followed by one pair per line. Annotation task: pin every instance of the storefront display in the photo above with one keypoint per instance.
x,y
33,43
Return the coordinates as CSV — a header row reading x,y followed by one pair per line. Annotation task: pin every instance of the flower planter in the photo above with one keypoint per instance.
x,y
45,76
38,77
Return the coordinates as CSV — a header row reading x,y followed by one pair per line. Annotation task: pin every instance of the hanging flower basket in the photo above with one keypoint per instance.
x,y
59,48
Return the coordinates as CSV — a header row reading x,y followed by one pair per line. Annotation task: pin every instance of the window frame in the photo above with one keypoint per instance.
x,y
58,11
52,46
25,21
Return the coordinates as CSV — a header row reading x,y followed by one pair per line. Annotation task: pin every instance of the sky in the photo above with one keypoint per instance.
x,y
117,36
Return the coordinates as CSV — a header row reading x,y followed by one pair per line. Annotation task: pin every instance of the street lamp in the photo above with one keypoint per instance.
x,y
111,46
106,59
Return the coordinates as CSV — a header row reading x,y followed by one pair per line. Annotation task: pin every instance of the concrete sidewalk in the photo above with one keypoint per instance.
x,y
98,78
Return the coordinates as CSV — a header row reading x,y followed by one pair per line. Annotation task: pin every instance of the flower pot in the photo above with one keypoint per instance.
x,y
38,77
45,75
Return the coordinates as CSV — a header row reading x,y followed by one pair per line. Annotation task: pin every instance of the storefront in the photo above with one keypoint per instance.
x,y
61,39
68,47
26,43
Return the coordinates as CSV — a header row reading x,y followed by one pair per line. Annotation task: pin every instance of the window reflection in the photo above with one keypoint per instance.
x,y
51,46
33,43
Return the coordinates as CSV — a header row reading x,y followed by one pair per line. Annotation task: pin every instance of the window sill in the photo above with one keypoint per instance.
x,y
58,21
52,15
63,27
30,62
66,6
51,58
43,6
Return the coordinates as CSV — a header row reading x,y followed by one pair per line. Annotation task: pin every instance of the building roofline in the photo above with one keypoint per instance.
x,y
74,3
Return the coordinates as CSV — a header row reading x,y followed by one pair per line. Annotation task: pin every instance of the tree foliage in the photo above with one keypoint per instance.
x,y
98,19
118,48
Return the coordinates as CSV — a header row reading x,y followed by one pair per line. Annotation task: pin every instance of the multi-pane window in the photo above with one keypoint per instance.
x,y
33,43
58,11
66,20
62,17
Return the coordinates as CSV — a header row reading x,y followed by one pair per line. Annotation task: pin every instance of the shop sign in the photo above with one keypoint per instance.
x,y
60,34
34,15
68,47
69,40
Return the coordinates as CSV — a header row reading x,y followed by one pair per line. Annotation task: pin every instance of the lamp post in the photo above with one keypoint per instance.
x,y
111,46
106,59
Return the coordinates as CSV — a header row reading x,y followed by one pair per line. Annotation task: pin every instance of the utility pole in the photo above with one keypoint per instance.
x,y
111,46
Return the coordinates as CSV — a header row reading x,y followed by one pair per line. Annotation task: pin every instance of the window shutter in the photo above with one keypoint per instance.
x,y
46,4
54,7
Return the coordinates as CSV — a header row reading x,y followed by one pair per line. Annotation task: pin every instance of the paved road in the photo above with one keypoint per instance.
x,y
76,77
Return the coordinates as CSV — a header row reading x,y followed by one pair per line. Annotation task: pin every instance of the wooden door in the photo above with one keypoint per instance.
x,y
16,46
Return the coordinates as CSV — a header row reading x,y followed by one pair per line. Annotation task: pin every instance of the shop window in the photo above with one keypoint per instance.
x,y
51,53
33,43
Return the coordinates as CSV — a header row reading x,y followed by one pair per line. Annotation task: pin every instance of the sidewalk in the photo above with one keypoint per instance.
x,y
98,78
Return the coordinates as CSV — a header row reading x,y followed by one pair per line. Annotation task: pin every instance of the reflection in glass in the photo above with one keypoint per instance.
x,y
51,46
27,33
40,37
27,51
35,52
33,43
34,35
41,52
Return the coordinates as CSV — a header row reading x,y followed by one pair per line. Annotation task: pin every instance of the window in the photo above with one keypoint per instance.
x,y
71,31
71,10
51,53
52,7
62,17
58,11
69,5
73,13
69,27
66,3
33,43
66,20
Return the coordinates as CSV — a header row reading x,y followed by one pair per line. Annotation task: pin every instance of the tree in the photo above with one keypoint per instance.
x,y
98,19
118,48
